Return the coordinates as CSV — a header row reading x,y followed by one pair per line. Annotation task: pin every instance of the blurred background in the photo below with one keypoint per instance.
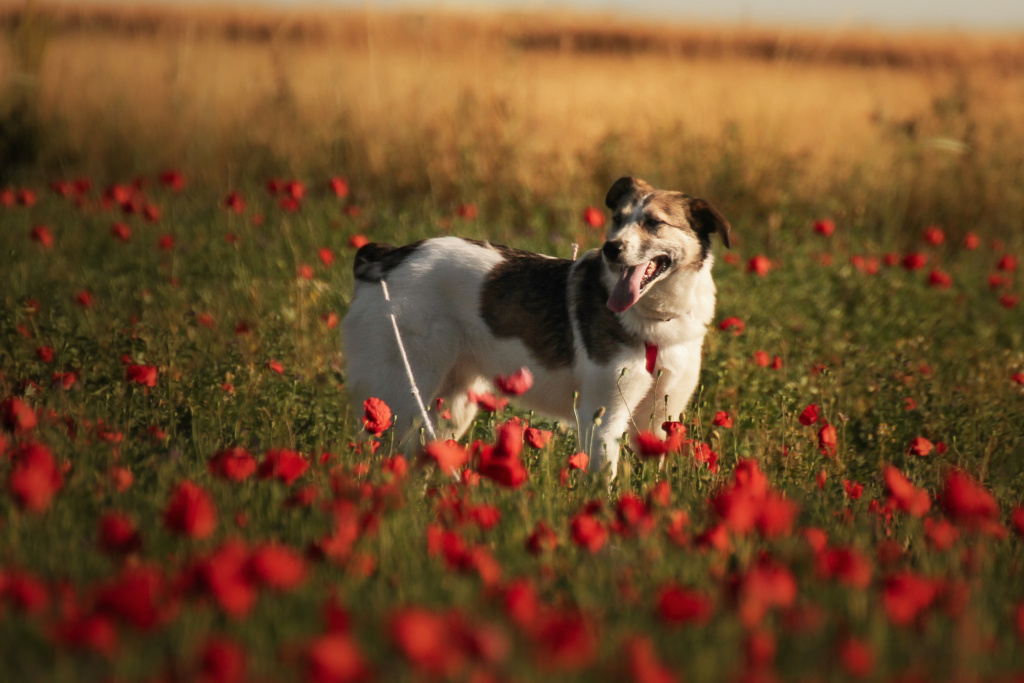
x,y
893,115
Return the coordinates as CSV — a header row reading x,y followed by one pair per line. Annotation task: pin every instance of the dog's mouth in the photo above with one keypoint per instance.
x,y
634,280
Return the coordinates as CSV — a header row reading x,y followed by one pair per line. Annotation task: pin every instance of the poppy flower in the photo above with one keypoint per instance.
x,y
26,593
723,419
121,232
542,539
733,324
235,463
905,495
846,565
971,241
146,375
565,641
335,658
515,384
190,511
277,566
588,532
488,401
764,586
42,235
759,264
827,440
326,255
358,241
275,366
35,477
172,180
426,640
17,416
676,605
448,455
222,661
84,299
94,632
967,502
537,438
939,279
225,576
466,212
235,203
593,217
339,186
649,446
915,261
1007,263
825,227
704,455
139,596
284,464
578,461
501,463
1009,300
376,416
934,235
856,657
940,534
118,535
905,596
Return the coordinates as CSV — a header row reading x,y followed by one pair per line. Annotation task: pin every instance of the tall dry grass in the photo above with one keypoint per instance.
x,y
889,129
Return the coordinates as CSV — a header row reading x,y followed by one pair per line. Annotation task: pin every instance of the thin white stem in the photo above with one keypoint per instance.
x,y
405,360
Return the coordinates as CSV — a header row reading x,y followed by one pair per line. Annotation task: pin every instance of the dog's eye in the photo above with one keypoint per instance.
x,y
652,224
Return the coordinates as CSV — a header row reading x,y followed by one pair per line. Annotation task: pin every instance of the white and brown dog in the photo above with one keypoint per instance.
x,y
603,325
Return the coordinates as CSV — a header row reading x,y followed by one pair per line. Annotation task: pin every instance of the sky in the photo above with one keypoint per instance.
x,y
999,15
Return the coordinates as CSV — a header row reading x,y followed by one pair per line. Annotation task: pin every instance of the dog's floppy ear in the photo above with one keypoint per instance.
x,y
623,187
705,219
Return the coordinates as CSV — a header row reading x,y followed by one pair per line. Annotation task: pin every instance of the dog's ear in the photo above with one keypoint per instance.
x,y
623,187
706,219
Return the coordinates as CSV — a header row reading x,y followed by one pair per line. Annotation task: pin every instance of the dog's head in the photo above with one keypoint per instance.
x,y
653,235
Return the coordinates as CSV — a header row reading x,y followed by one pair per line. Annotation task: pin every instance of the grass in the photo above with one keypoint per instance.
x,y
332,562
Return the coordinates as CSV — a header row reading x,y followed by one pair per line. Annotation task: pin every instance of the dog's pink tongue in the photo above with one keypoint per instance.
x,y
627,289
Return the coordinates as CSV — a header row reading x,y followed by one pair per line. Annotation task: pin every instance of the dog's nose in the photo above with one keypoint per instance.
x,y
612,249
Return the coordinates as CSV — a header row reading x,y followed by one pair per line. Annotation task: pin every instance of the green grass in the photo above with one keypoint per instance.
x,y
858,345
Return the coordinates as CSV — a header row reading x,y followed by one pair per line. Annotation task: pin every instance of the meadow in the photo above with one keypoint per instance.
x,y
187,494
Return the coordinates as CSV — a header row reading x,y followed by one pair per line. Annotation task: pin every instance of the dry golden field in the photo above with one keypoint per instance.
x,y
451,105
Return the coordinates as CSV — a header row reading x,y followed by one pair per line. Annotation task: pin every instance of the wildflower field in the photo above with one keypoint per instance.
x,y
186,494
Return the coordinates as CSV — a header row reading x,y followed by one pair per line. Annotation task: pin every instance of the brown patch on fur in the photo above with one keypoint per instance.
x,y
375,260
526,296
624,187
602,333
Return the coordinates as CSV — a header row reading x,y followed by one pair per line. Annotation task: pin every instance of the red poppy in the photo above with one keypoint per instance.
x,y
89,632
856,657
339,186
190,511
277,566
940,534
967,502
723,419
84,299
466,212
939,279
358,241
915,261
35,477
326,255
234,202
284,464
934,235
501,462
649,446
139,596
222,661
172,179
376,416
146,375
809,415
1017,520
676,605
225,575
593,217
542,539
675,435
846,565
488,401
17,416
275,366
235,463
537,438
764,586
515,384
905,596
1009,300
578,461
121,232
26,593
118,535
448,455
733,324
588,532
427,641
42,235
853,489
1007,263
825,227
905,495
971,241
335,658
759,264
776,515
827,440
565,641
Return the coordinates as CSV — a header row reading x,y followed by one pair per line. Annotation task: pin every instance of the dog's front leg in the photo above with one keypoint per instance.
x,y
619,396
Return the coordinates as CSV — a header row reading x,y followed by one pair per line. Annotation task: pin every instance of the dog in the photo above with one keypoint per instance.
x,y
617,333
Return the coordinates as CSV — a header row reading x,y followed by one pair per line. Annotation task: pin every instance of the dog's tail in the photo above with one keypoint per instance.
x,y
375,260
